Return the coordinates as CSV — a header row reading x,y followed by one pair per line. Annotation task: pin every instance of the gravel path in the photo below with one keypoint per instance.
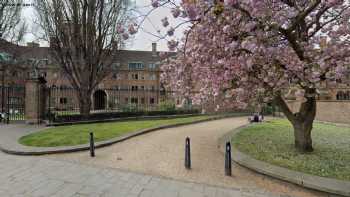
x,y
161,153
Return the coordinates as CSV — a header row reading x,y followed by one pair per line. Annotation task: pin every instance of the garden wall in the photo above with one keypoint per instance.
x,y
329,111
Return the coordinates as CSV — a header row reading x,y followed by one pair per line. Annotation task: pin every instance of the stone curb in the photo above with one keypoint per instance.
x,y
124,119
27,150
323,184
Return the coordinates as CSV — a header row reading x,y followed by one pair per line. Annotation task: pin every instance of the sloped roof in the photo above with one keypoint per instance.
x,y
27,52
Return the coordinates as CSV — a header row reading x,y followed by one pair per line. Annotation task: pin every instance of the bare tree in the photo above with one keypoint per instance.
x,y
84,38
11,26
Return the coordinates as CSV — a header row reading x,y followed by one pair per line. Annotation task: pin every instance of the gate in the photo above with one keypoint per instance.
x,y
12,103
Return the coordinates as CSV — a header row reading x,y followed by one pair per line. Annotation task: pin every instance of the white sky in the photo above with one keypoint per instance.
x,y
141,41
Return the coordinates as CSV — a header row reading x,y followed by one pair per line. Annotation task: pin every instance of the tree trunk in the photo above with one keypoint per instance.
x,y
302,135
302,121
84,103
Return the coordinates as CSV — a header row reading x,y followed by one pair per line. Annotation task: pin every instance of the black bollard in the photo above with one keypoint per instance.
x,y
228,162
92,145
188,153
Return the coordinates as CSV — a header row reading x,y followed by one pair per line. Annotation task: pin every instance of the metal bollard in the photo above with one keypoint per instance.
x,y
228,162
92,145
188,153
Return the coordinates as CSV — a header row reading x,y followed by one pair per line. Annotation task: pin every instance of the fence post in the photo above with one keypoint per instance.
x,y
92,145
34,100
3,98
49,104
228,162
8,105
188,153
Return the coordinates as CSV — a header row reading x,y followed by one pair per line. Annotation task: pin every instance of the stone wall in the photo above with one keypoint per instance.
x,y
329,111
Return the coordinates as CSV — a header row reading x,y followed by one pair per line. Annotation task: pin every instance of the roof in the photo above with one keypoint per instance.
x,y
32,52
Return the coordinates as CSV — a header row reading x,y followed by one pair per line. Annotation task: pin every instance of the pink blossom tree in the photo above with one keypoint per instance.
x,y
241,51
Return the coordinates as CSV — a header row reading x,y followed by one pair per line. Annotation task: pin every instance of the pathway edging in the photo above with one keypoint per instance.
x,y
123,119
28,150
328,185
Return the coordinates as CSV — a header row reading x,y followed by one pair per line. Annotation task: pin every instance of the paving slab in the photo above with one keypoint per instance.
x,y
102,182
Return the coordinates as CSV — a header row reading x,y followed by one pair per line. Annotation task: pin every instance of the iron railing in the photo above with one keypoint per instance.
x,y
64,101
12,103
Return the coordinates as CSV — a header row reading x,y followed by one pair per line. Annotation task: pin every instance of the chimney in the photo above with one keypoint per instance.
x,y
33,44
154,48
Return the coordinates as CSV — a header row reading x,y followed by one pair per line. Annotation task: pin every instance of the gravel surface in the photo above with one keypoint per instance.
x,y
161,153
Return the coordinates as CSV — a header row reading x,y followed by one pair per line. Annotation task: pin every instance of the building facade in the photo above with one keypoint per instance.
x,y
133,79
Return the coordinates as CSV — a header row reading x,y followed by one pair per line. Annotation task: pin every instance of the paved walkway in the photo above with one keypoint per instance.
x,y
40,177
161,153
10,133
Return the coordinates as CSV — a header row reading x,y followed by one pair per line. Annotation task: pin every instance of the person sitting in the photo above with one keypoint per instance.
x,y
256,117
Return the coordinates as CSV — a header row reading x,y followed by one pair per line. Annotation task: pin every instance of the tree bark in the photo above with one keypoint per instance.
x,y
302,121
302,135
85,103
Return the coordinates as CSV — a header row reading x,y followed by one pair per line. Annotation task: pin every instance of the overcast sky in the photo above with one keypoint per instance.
x,y
142,40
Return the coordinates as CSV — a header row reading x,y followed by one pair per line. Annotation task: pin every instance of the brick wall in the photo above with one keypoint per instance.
x,y
329,111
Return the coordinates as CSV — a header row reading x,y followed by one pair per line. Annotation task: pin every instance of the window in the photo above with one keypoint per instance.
x,y
142,87
126,100
153,77
153,88
46,61
15,74
115,76
143,100
136,66
152,66
43,74
134,88
134,100
63,100
15,101
343,95
135,76
115,66
151,100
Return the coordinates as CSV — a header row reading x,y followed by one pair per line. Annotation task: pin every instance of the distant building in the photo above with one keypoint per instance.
x,y
134,77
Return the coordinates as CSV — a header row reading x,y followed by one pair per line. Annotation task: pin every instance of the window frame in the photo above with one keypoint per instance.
x,y
139,66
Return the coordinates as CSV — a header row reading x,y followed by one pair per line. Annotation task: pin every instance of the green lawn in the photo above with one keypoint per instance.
x,y
272,142
79,134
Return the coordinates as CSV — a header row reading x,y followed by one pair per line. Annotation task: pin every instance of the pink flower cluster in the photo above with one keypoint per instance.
x,y
131,30
238,52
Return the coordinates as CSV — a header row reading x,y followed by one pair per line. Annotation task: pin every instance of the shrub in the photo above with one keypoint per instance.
x,y
167,106
130,108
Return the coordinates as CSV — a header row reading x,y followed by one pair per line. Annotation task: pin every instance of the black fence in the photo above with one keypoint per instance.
x,y
12,103
63,104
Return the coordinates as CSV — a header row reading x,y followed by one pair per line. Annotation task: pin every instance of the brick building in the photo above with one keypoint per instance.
x,y
134,78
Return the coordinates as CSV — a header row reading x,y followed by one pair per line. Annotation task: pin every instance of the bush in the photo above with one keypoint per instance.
x,y
124,114
130,108
167,106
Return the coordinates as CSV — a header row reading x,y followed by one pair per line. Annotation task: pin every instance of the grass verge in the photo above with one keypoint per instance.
x,y
79,134
273,142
